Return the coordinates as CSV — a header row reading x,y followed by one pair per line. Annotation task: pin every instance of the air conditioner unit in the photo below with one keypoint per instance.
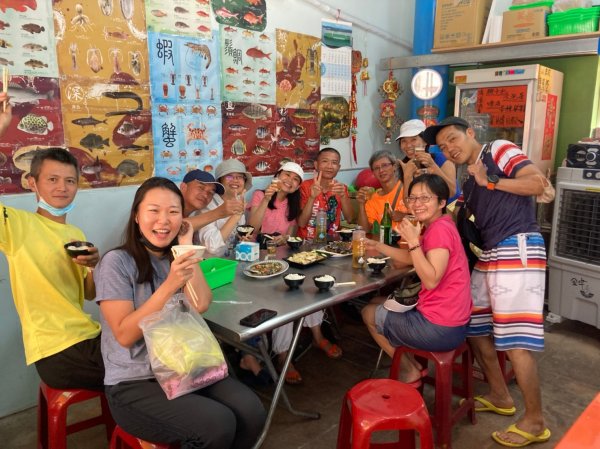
x,y
574,257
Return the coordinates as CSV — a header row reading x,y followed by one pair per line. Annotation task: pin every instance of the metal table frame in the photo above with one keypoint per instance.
x,y
246,295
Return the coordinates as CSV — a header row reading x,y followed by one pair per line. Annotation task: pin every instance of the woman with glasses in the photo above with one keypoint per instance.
x,y
219,236
439,320
384,166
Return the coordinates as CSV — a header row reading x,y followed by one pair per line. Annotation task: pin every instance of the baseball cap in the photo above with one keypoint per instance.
x,y
233,166
205,178
431,132
294,168
411,128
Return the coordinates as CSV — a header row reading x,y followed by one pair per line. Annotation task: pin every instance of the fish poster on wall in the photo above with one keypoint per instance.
x,y
186,136
27,45
36,124
298,71
262,136
248,65
186,104
103,61
183,17
249,14
183,69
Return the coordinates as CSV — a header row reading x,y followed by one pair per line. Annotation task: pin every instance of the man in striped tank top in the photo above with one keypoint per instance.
x,y
508,281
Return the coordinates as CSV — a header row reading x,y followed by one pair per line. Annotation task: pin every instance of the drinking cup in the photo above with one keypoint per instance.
x,y
271,247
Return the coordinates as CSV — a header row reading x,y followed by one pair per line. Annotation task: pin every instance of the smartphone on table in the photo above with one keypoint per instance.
x,y
258,317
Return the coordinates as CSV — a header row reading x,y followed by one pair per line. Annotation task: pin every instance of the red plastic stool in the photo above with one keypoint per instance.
x,y
444,417
383,404
123,440
52,415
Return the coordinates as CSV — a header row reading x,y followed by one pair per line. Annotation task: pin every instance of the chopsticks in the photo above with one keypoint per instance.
x,y
5,77
188,284
339,284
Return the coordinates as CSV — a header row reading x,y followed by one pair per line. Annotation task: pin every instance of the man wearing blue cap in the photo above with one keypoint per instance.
x,y
508,280
198,188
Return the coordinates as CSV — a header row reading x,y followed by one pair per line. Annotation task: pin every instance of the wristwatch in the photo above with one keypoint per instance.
x,y
492,180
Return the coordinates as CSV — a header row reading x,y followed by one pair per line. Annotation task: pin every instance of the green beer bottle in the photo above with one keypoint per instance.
x,y
385,227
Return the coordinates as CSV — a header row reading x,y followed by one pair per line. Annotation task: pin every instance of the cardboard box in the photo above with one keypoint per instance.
x,y
524,24
247,251
460,23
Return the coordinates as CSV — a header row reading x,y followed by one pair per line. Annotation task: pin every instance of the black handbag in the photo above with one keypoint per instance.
x,y
469,233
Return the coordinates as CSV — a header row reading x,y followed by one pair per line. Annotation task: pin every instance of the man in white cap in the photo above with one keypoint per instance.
x,y
219,235
420,161
198,188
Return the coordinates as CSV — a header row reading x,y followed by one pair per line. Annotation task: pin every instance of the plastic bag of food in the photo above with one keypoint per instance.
x,y
565,5
184,354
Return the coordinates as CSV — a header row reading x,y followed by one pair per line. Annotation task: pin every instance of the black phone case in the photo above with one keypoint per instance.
x,y
258,317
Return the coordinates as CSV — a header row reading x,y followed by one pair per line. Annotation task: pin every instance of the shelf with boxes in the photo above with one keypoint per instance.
x,y
547,47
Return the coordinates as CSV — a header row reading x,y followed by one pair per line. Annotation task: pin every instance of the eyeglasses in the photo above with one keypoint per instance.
x,y
423,199
382,167
235,177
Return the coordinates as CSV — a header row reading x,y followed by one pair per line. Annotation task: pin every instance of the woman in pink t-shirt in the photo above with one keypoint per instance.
x,y
439,321
275,210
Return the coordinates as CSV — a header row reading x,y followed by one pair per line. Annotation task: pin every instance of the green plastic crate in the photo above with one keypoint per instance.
x,y
573,21
218,272
547,3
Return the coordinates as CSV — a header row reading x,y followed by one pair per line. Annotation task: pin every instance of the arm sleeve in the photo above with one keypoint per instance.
x,y
115,277
210,236
257,197
509,157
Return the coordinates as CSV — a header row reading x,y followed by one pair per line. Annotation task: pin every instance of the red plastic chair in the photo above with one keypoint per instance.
x,y
123,440
52,415
383,404
444,417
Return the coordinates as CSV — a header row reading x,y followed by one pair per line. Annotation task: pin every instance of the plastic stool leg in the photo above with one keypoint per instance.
x,y
345,426
57,424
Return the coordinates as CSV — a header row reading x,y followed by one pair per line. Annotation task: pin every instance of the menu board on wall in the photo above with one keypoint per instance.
x,y
505,105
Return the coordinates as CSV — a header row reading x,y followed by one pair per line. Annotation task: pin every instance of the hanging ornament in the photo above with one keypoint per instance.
x,y
390,90
356,65
364,75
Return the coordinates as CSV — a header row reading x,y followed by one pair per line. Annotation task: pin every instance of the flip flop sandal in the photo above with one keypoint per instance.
x,y
332,350
293,377
487,406
529,437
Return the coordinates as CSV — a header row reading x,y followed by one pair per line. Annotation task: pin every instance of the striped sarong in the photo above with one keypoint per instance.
x,y
507,285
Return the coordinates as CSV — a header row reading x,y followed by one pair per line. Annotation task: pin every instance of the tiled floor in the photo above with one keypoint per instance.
x,y
569,375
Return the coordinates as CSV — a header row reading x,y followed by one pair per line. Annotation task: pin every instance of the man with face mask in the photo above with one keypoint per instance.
x,y
48,285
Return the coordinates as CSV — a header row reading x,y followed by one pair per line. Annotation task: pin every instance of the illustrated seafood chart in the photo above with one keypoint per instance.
x,y
263,136
138,88
186,104
298,73
248,60
27,45
102,56
249,14
182,17
36,124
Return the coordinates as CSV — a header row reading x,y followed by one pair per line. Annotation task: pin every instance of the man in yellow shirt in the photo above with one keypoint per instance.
x,y
48,285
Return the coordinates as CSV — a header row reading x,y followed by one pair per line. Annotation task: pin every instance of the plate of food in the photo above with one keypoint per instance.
x,y
266,269
337,249
306,259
